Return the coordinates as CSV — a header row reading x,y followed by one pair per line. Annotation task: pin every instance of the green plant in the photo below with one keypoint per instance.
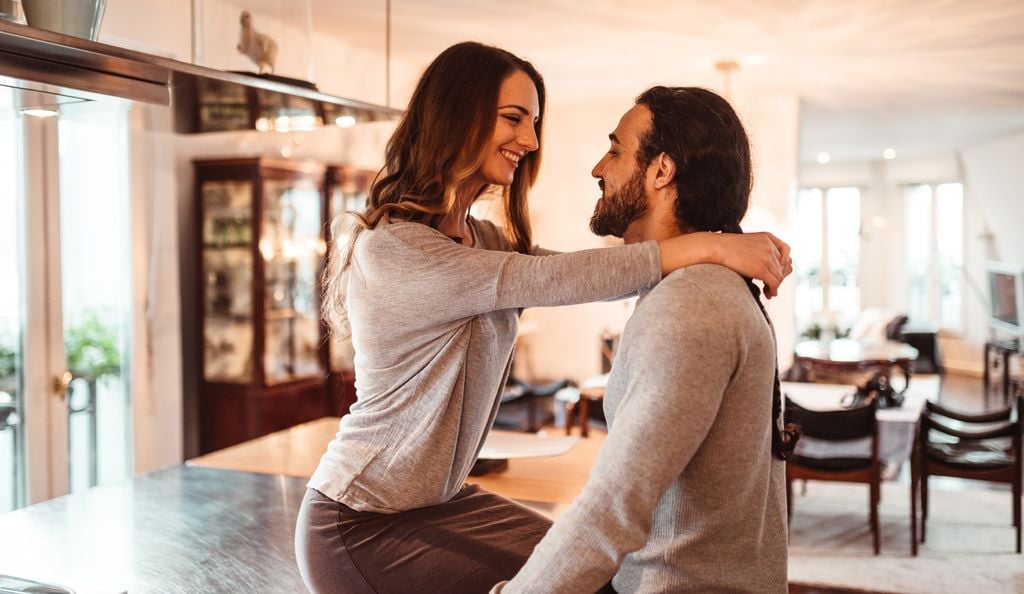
x,y
8,352
91,346
8,361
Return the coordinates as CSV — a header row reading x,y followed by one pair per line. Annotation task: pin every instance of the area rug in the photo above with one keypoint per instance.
x,y
970,545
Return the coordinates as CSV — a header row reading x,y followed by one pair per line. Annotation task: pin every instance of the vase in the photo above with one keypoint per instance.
x,y
79,18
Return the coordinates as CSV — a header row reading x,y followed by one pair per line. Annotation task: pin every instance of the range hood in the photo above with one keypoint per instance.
x,y
47,68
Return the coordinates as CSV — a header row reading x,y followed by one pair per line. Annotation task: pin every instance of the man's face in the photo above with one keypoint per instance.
x,y
621,177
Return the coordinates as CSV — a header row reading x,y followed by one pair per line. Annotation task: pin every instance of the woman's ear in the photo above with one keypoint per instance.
x,y
665,171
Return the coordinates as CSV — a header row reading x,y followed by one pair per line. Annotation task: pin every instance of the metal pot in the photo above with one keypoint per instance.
x,y
10,10
80,18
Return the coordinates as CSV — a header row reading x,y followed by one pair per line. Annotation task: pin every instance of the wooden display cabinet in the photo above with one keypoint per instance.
x,y
264,354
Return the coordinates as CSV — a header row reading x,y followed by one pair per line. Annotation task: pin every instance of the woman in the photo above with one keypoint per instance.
x,y
432,298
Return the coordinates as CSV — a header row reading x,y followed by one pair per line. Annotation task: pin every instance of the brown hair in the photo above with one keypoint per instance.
x,y
705,139
438,144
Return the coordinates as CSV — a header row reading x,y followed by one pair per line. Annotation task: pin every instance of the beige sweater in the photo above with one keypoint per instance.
x,y
685,495
433,325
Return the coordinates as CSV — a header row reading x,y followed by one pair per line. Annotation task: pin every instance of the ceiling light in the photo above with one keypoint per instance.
x,y
345,121
889,153
41,113
824,158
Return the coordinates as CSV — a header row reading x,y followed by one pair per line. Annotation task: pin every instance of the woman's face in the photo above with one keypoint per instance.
x,y
515,133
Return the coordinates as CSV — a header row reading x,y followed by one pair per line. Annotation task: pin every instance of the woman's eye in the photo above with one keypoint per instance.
x,y
515,119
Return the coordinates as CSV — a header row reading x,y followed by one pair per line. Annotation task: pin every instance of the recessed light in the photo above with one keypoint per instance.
x,y
824,158
41,113
889,153
345,121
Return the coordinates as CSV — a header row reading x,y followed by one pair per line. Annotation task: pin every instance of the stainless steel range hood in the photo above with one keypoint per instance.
x,y
52,68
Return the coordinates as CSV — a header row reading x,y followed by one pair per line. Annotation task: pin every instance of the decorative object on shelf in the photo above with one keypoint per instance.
x,y
80,18
10,10
258,47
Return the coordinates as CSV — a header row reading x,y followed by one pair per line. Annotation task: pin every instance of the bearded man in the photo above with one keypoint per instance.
x,y
688,493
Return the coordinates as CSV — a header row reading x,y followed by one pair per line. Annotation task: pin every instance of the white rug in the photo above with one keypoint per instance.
x,y
970,546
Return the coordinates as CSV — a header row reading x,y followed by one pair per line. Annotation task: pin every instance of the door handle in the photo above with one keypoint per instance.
x,y
61,383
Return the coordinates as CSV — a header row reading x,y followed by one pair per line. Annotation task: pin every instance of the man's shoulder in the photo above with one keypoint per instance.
x,y
699,295
701,282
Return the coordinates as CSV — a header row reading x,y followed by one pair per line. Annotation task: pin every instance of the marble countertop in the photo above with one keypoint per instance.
x,y
181,529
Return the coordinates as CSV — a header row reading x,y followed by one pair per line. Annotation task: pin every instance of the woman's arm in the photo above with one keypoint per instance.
x,y
761,256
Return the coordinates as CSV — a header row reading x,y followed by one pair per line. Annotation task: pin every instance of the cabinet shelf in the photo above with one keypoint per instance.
x,y
227,246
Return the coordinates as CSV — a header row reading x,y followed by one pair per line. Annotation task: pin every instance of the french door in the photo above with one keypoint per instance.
x,y
65,313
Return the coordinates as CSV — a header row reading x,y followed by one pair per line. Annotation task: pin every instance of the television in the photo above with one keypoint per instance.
x,y
1006,298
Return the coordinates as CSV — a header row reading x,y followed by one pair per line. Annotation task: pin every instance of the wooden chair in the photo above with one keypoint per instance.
x,y
988,451
838,425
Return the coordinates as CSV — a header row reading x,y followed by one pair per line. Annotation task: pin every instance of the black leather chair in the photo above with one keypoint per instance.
x,y
838,425
527,407
984,447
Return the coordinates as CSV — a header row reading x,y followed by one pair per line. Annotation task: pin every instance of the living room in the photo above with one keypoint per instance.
x,y
885,145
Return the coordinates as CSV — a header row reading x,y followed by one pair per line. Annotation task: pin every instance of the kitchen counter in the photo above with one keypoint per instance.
x,y
180,529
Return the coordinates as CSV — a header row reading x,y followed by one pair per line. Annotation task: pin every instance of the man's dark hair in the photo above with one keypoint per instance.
x,y
704,137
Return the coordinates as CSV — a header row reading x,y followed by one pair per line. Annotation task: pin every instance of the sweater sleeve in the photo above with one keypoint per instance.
x,y
446,280
679,360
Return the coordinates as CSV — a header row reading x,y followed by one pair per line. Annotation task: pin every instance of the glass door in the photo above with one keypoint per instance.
x,y
12,459
95,290
65,422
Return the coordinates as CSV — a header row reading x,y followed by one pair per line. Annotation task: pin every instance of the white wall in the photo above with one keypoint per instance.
x,y
994,225
162,27
993,228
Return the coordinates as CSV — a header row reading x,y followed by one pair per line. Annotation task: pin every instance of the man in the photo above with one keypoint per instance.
x,y
687,494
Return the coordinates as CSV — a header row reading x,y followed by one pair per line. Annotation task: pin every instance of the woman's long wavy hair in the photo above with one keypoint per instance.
x,y
439,144
705,139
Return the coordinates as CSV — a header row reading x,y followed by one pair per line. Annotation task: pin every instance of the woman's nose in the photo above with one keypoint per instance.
x,y
528,139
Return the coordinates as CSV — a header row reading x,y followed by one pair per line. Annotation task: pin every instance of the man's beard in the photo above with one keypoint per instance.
x,y
614,213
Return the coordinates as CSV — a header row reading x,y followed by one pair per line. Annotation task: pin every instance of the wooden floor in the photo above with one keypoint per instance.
x,y
968,394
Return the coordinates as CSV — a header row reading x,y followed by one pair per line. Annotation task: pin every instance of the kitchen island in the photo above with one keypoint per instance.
x,y
180,529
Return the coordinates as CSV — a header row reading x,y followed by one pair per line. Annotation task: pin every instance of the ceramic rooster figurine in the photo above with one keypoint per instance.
x,y
257,46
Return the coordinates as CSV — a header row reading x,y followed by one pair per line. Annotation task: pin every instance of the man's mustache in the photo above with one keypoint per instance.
x,y
600,184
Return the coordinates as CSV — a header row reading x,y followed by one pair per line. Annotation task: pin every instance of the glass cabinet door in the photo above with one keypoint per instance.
x,y
228,266
292,249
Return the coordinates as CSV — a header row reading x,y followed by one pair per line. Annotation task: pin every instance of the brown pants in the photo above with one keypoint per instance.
x,y
465,545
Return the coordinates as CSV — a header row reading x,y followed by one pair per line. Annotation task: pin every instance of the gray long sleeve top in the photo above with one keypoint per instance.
x,y
433,325
685,495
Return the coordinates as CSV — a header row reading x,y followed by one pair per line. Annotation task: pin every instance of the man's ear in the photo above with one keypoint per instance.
x,y
664,171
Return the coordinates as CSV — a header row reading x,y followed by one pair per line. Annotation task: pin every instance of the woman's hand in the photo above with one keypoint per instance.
x,y
758,255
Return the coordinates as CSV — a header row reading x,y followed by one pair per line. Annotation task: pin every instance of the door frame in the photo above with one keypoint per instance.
x,y
45,419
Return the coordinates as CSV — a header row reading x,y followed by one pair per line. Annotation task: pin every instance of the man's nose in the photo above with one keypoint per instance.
x,y
598,169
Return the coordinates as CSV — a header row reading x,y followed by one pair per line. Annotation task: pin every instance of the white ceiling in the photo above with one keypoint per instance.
x,y
919,76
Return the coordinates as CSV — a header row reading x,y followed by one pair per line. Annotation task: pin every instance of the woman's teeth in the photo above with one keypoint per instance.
x,y
510,156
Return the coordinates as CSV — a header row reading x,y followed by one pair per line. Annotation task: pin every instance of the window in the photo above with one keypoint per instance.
x,y
826,257
934,231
